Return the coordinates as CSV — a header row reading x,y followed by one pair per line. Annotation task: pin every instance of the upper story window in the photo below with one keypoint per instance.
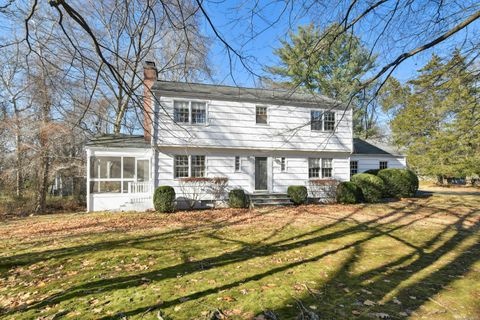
x,y
322,121
320,168
192,112
261,114
353,168
383,165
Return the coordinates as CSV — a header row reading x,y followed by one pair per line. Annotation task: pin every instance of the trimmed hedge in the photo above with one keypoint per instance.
x,y
372,186
237,198
164,199
298,194
373,171
399,183
349,193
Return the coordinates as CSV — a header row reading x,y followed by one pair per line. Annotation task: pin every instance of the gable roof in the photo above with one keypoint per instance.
x,y
242,94
374,148
118,141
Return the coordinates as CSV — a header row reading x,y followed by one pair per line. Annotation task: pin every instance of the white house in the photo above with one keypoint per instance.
x,y
261,140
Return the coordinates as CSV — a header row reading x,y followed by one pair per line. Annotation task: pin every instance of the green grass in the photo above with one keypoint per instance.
x,y
408,259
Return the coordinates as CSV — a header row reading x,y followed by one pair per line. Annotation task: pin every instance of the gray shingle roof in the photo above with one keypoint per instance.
x,y
118,141
230,93
369,147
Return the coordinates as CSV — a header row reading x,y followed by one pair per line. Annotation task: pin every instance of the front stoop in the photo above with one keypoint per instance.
x,y
269,199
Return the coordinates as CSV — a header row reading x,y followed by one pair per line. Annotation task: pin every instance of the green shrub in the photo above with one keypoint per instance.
x,y
373,171
164,199
372,186
399,183
298,194
237,198
349,193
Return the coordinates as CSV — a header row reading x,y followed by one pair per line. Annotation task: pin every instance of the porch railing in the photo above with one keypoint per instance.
x,y
140,187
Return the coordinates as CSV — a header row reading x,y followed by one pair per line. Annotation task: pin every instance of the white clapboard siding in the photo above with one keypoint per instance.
x,y
232,125
367,162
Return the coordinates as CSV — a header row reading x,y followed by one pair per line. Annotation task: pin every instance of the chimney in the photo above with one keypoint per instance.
x,y
149,78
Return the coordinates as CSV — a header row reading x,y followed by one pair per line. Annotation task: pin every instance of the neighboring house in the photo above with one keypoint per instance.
x,y
261,140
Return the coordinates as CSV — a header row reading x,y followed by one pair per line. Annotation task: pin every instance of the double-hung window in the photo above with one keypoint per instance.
x,y
188,166
191,112
383,165
322,120
261,115
353,168
320,168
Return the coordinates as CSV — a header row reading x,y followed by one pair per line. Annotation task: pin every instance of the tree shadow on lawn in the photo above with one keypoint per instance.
x,y
396,272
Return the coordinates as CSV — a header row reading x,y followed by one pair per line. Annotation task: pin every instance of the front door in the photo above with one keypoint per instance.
x,y
261,173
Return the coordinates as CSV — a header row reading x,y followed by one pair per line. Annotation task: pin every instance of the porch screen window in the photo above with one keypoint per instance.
x,y
261,114
181,111
314,167
353,168
327,168
383,165
198,166
329,121
199,112
113,174
316,120
181,167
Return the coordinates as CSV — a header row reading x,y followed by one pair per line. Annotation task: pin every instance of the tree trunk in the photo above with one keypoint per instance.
x,y
18,156
44,167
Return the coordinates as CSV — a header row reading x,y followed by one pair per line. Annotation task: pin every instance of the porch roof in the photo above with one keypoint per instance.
x,y
118,141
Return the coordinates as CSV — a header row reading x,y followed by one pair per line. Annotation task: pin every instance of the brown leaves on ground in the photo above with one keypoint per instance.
x,y
436,210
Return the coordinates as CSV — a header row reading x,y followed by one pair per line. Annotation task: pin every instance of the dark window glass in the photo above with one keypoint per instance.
x,y
199,112
261,114
316,120
329,121
106,167
237,163
314,168
327,168
353,168
283,165
181,111
198,166
128,168
181,167
383,165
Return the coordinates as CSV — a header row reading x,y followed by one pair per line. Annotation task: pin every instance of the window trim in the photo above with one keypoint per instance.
x,y
267,108
189,157
283,164
321,167
356,167
323,111
380,164
190,111
239,164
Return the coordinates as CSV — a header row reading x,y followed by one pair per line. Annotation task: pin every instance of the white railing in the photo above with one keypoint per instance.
x,y
140,187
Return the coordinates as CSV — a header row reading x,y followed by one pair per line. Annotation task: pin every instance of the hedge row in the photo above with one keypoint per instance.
x,y
395,183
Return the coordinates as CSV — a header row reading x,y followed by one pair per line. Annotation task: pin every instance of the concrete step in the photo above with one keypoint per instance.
x,y
270,199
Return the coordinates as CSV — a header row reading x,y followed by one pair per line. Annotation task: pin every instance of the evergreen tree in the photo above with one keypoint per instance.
x,y
329,64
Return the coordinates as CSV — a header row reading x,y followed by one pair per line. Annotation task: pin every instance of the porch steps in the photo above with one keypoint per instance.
x,y
269,199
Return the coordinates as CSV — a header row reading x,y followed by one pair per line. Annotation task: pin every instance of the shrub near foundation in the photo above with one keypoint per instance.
x,y
164,199
372,186
237,198
298,194
399,183
349,193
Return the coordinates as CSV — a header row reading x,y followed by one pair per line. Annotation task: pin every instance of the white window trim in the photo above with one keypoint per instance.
x,y
190,112
239,164
379,164
323,120
189,166
321,167
285,169
268,115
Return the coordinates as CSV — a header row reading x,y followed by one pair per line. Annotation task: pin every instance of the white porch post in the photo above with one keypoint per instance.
x,y
88,180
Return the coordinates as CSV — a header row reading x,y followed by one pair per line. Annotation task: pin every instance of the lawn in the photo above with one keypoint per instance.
x,y
414,258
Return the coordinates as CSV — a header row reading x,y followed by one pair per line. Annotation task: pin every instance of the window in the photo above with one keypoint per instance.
x,y
316,120
237,164
261,114
198,166
353,168
180,167
383,165
327,168
283,165
113,174
329,121
320,168
314,167
192,112
199,112
188,166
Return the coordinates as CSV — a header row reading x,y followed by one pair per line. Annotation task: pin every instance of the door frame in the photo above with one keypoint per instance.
x,y
267,178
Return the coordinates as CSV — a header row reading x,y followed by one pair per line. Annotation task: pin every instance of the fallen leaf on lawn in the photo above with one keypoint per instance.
x,y
177,308
229,298
368,303
403,314
366,291
244,291
413,297
381,315
396,301
355,312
